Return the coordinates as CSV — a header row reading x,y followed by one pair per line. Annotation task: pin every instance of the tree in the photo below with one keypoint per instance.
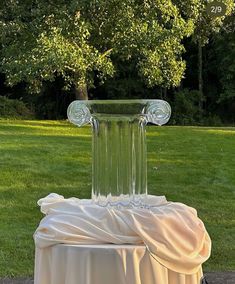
x,y
224,55
207,25
41,41
82,40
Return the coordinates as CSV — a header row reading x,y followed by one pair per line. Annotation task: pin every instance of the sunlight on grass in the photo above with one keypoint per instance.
x,y
49,128
218,131
168,161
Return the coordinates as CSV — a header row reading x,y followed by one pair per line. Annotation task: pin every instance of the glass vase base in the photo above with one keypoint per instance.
x,y
121,201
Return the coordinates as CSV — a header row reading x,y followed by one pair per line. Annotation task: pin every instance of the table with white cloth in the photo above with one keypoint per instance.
x,y
78,242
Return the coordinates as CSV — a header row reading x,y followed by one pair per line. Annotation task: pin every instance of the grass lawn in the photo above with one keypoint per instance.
x,y
193,165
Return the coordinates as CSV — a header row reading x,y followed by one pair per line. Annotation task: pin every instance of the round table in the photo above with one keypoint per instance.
x,y
104,264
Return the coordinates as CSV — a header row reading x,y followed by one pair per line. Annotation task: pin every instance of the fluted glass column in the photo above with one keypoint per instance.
x,y
119,163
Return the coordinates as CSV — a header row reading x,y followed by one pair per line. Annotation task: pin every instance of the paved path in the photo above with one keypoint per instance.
x,y
220,277
17,281
211,278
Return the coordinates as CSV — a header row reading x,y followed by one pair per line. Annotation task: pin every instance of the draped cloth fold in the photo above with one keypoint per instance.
x,y
171,231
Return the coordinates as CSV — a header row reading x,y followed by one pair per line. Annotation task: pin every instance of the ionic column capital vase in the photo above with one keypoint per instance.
x,y
119,160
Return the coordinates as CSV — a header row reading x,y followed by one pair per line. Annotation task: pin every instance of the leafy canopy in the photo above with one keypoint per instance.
x,y
82,40
207,25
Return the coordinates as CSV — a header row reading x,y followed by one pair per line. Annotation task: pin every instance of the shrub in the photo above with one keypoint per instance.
x,y
10,108
212,120
185,108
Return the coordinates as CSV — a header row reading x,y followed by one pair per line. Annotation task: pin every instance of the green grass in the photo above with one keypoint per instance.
x,y
193,165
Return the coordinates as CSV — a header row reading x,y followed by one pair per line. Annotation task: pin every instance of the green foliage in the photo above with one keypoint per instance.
x,y
212,120
14,109
134,47
207,25
225,54
186,109
220,72
54,45
127,84
82,40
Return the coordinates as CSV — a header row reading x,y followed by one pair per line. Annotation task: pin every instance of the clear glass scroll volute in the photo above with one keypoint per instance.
x,y
119,161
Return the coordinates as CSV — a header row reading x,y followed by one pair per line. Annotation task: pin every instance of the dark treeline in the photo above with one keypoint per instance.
x,y
205,95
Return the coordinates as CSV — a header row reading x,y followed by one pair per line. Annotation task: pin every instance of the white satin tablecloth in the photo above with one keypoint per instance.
x,y
80,242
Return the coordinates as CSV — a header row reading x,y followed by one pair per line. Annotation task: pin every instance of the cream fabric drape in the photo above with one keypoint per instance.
x,y
104,264
171,231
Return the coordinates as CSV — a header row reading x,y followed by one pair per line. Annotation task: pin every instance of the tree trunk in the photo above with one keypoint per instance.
x,y
200,78
81,92
161,91
164,93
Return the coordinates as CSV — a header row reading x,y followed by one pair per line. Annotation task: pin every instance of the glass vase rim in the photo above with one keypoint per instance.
x,y
123,101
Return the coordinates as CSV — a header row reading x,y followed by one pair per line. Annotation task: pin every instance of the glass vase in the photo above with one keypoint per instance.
x,y
119,159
